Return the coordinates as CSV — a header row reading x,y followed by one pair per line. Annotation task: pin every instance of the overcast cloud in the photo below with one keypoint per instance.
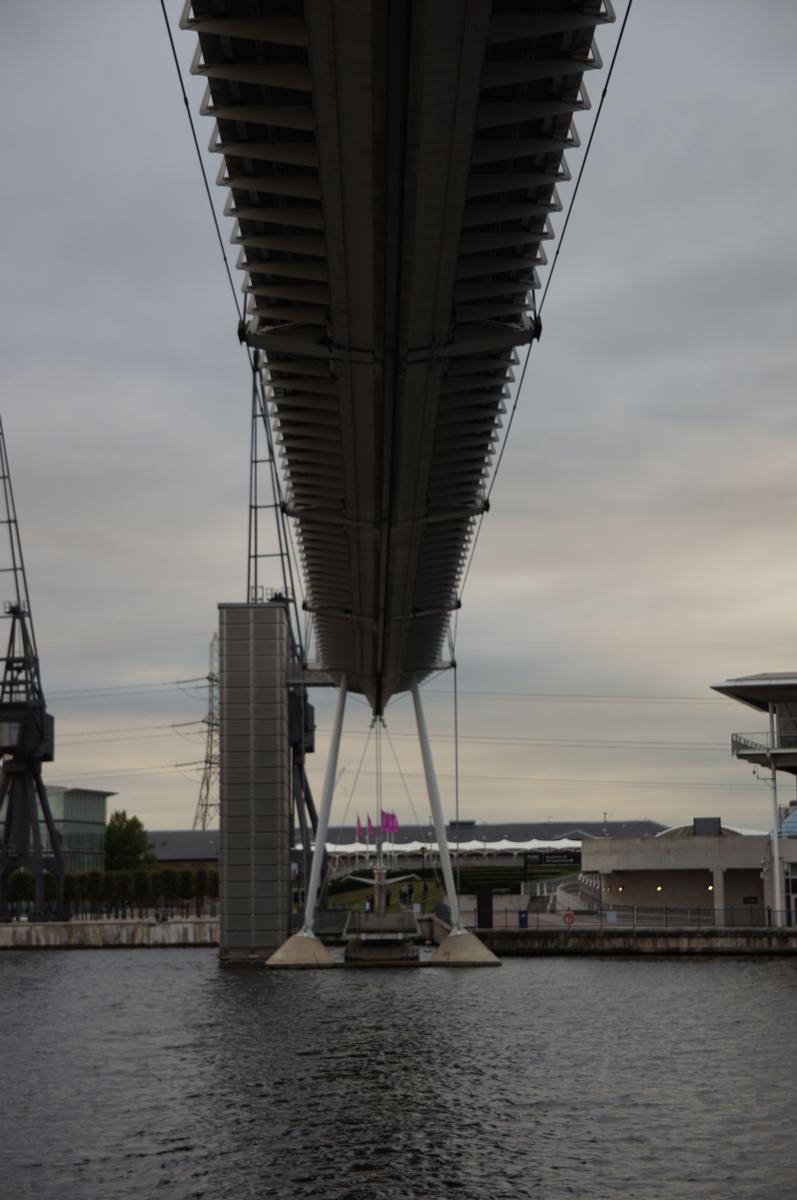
x,y
641,536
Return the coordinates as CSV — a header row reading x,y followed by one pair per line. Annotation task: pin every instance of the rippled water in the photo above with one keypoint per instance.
x,y
150,1072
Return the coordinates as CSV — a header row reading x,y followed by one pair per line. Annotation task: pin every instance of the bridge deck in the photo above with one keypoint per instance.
x,y
392,167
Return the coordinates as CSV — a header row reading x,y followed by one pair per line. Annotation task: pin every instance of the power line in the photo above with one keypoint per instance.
x,y
126,689
125,772
573,743
592,697
592,782
287,553
402,776
66,697
128,737
128,641
175,725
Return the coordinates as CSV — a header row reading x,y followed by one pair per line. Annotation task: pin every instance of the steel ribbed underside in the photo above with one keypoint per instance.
x,y
392,165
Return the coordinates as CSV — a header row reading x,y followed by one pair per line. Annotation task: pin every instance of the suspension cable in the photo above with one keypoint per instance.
x,y
284,533
339,828
434,865
201,163
538,311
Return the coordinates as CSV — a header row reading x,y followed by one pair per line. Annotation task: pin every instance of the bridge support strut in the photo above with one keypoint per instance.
x,y
461,948
436,808
304,949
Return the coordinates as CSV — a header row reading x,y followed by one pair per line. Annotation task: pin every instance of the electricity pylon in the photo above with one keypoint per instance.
x,y
207,809
27,732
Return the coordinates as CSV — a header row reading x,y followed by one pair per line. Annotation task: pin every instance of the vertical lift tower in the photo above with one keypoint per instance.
x,y
26,733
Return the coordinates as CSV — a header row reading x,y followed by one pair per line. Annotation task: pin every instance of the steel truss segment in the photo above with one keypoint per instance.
x,y
392,170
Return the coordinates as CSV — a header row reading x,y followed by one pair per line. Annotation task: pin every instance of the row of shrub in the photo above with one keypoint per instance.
x,y
94,893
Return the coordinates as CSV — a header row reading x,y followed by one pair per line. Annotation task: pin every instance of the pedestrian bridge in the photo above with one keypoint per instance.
x,y
392,166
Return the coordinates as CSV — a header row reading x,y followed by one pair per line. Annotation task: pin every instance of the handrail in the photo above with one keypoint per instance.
x,y
760,740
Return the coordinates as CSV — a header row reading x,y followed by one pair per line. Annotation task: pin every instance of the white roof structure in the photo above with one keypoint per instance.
x,y
473,847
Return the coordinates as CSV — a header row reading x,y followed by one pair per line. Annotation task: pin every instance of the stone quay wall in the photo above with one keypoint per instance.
x,y
111,934
529,943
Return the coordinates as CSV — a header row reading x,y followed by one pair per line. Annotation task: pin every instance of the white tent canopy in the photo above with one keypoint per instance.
x,y
503,846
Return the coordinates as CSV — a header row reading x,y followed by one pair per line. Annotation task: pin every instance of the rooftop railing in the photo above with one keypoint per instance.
x,y
760,742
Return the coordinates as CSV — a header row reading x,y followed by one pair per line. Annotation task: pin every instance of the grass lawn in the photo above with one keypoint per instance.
x,y
356,897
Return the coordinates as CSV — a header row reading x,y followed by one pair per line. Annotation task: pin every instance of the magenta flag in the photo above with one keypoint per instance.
x,y
370,827
385,822
359,829
395,825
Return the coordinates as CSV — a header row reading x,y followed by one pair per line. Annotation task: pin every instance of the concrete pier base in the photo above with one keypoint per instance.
x,y
463,950
381,954
303,950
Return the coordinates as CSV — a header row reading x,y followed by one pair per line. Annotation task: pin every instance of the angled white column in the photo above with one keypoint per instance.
x,y
330,776
437,810
461,948
304,949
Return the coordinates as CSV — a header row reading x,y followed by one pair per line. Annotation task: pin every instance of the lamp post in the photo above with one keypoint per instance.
x,y
777,869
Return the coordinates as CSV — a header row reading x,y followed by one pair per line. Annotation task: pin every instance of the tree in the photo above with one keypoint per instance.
x,y
142,888
126,844
201,884
94,887
170,883
124,888
20,886
170,888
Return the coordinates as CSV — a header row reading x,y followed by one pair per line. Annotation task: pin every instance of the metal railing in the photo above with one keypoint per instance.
x,y
758,741
746,916
547,887
749,741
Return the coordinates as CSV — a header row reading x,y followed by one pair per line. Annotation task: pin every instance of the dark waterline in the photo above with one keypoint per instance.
x,y
150,1072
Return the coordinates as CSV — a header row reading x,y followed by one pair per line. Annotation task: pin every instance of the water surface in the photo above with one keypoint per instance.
x,y
139,1073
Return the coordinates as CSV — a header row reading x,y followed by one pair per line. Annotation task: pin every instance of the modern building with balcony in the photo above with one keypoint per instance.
x,y
772,746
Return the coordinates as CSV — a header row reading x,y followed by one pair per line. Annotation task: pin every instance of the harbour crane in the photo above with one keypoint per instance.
x,y
30,840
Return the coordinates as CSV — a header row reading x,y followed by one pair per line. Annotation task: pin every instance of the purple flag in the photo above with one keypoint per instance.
x,y
370,828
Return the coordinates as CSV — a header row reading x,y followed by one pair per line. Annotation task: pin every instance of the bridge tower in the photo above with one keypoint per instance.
x,y
265,725
26,732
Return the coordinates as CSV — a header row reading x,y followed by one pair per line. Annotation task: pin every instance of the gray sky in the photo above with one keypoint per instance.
x,y
639,543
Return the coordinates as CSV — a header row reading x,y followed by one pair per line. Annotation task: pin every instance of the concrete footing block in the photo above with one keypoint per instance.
x,y
463,949
303,950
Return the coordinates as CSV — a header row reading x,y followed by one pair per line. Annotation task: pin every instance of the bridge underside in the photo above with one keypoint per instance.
x,y
392,166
